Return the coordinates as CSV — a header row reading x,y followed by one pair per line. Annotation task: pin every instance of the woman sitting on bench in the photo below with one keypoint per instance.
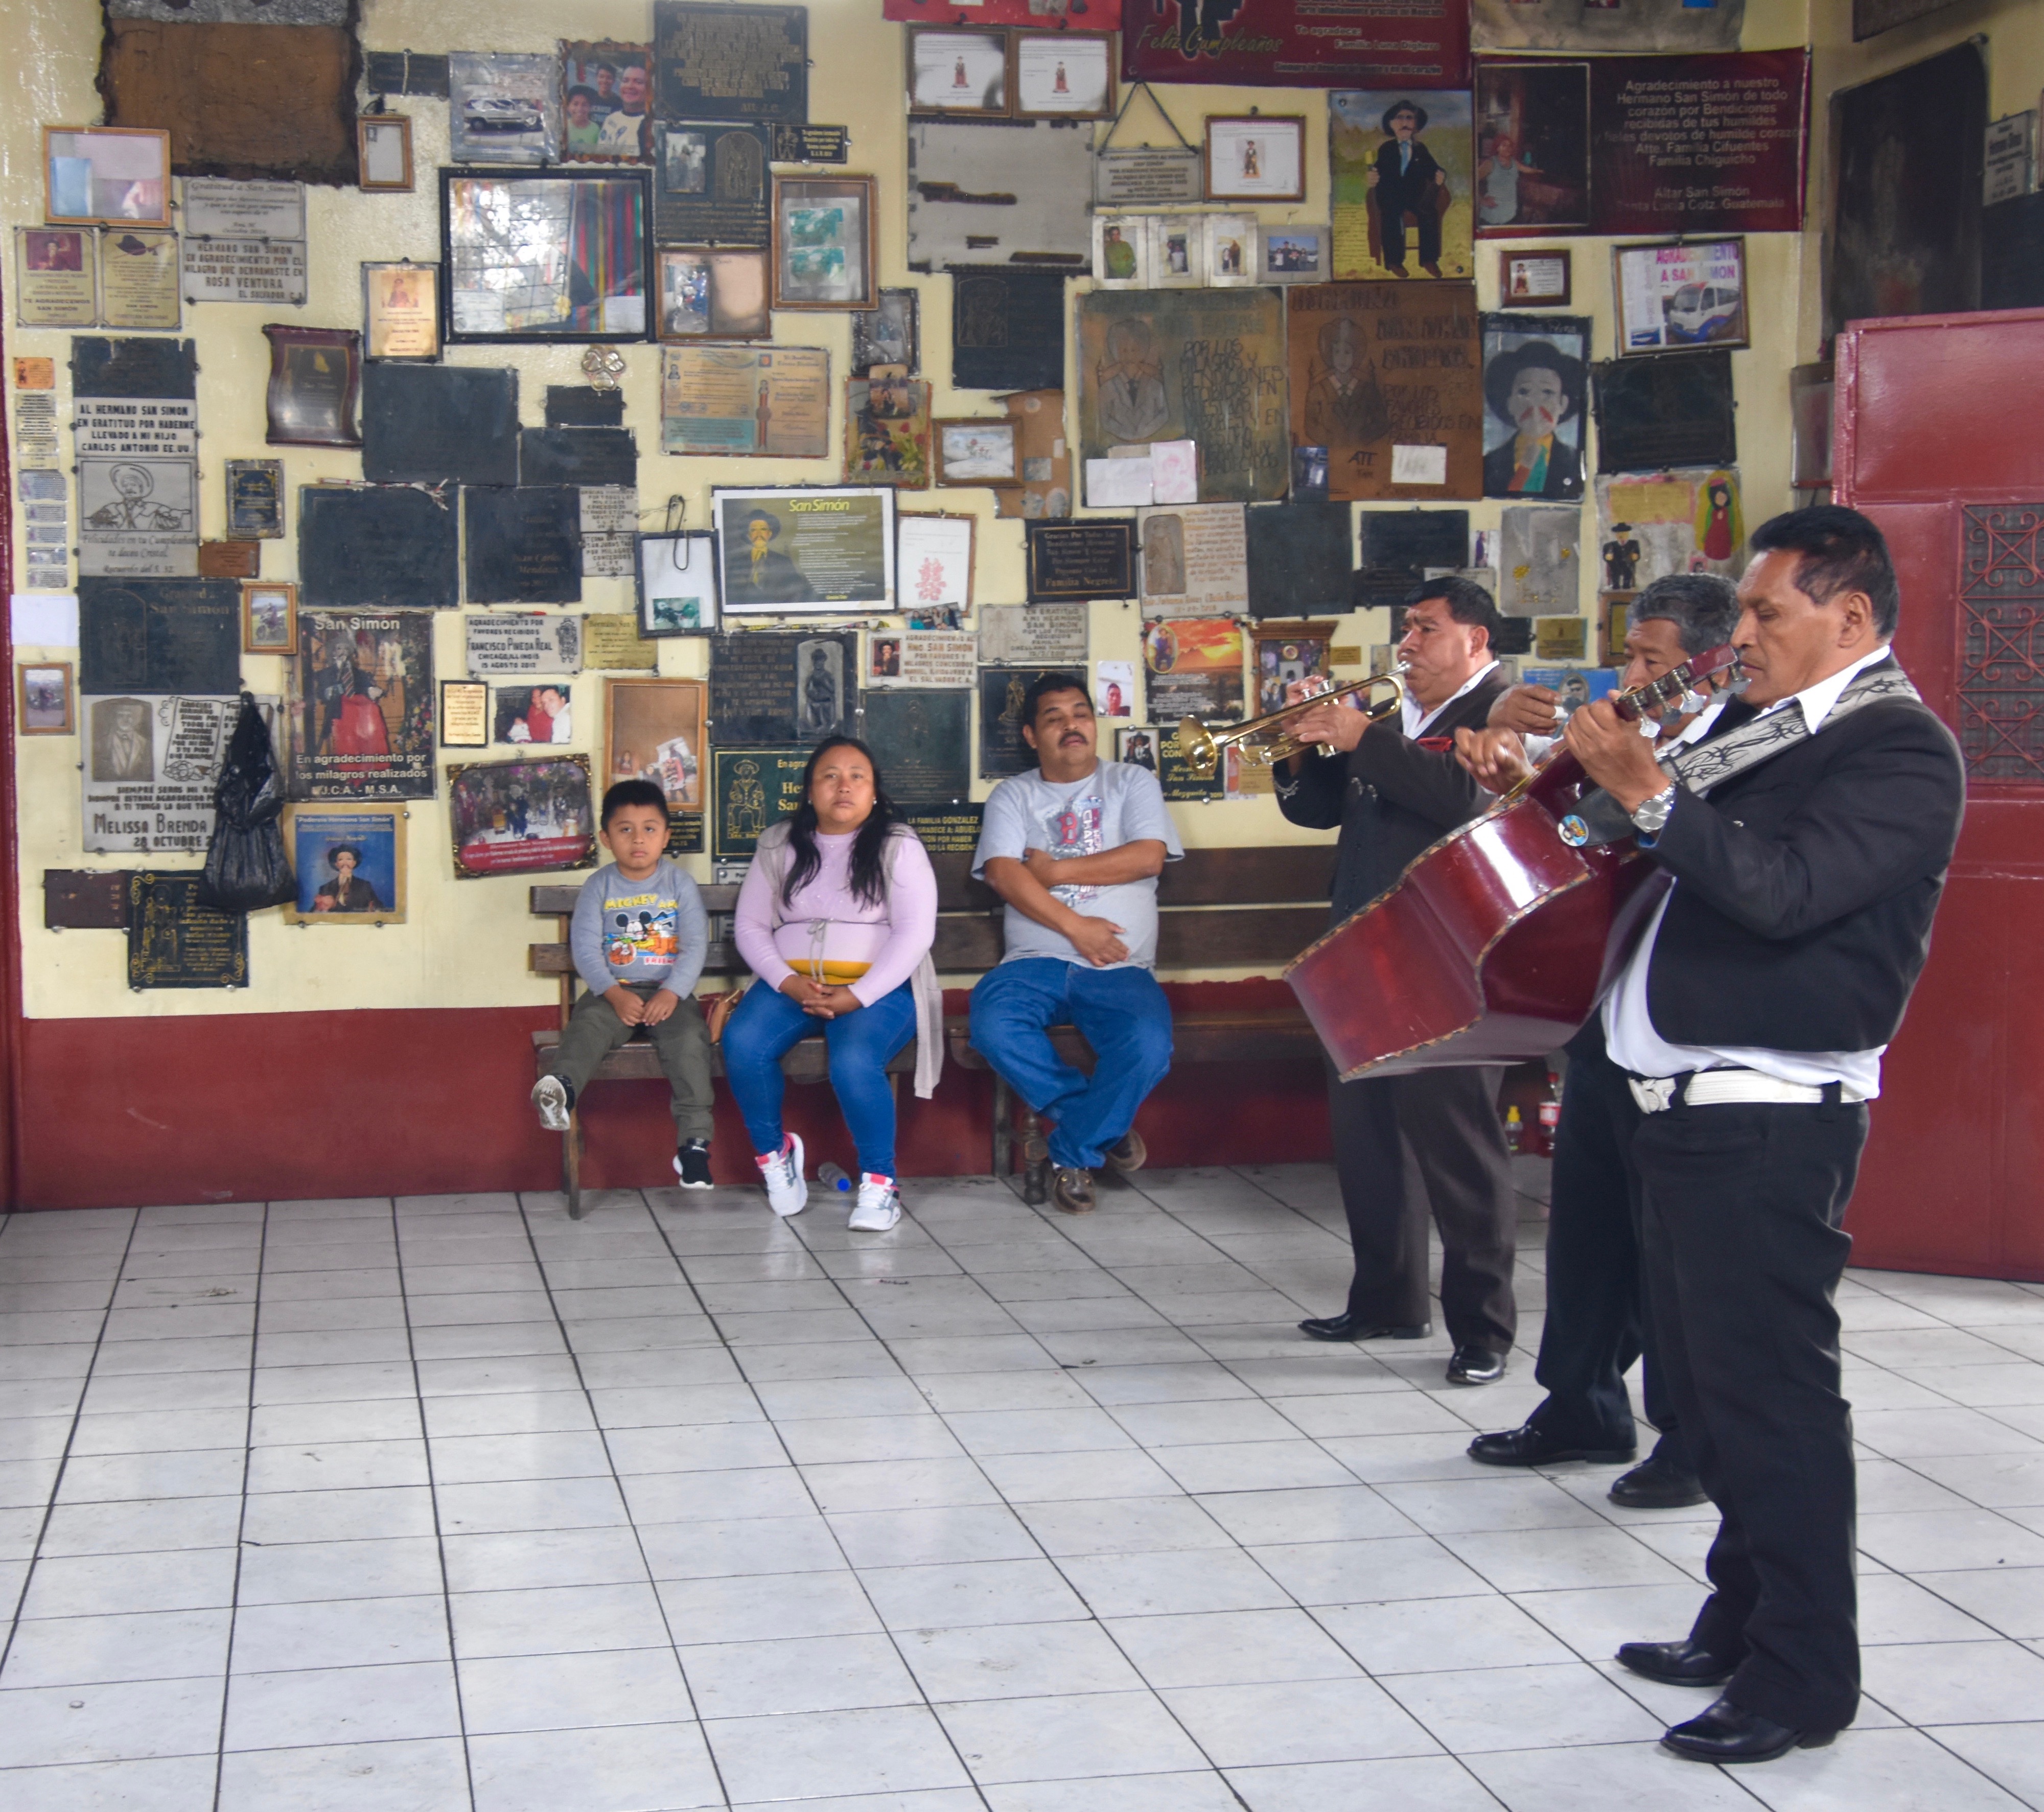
x,y
836,918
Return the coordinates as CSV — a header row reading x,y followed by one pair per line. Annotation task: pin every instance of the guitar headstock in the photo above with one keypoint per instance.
x,y
1677,691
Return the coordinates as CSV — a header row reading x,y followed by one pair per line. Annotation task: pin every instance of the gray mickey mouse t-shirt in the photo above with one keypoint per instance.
x,y
1115,804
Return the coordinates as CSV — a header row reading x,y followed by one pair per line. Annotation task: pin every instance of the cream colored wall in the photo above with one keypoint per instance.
x,y
465,943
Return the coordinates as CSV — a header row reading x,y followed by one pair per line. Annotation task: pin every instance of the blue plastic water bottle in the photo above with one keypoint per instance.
x,y
835,1177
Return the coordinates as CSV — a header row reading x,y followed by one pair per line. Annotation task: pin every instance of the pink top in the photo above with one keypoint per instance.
x,y
826,922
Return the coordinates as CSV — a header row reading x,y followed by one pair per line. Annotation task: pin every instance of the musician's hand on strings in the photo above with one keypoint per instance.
x,y
1531,710
1495,759
1331,723
1614,753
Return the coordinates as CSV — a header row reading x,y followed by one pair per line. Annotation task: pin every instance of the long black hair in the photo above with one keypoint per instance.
x,y
869,848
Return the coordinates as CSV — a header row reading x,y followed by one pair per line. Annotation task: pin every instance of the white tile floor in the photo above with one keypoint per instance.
x,y
450,1502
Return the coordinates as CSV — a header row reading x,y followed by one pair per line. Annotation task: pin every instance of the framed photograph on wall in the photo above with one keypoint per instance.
x,y
503,107
677,581
712,293
887,431
1256,157
105,176
958,71
1535,279
1063,75
546,255
531,816
350,863
384,153
799,551
1674,294
45,700
889,334
654,729
977,450
823,243
606,103
400,311
1295,255
269,617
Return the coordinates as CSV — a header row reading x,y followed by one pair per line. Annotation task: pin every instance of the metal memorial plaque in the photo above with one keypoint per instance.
x,y
173,942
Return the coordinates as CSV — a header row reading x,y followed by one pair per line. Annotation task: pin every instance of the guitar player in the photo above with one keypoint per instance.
x,y
1808,837
1597,1325
1394,787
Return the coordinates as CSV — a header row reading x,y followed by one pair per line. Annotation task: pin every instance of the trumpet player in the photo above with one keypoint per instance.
x,y
1393,787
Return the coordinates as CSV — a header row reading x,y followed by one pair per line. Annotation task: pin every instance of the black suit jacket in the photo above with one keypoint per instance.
x,y
1565,472
1807,886
1408,190
1390,798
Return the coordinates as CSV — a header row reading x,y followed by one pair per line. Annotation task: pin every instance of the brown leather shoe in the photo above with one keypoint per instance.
x,y
1071,1190
1131,1154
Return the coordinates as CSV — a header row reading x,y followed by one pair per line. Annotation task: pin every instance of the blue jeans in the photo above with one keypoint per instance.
x,y
766,1025
1122,1013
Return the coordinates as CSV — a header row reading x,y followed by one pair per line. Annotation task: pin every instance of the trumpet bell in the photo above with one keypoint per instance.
x,y
1198,749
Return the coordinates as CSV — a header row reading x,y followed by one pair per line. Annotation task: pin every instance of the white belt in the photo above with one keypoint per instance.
x,y
1718,1088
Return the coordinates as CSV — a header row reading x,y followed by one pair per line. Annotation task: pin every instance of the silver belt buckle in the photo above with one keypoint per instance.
x,y
1654,1094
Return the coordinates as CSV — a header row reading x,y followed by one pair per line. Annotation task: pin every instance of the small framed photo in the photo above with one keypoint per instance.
x,y
533,816
383,152
105,176
887,430
977,450
1256,157
315,376
1672,294
542,713
1137,747
464,714
269,617
1533,280
958,72
888,335
1178,251
45,704
350,862
677,579
654,729
1230,257
1124,250
823,243
606,102
1296,254
400,311
1063,76
713,292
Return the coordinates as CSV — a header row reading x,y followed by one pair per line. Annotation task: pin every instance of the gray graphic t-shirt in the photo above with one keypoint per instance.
x,y
1115,804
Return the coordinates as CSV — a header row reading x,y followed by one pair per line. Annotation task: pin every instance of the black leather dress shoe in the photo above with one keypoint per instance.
x,y
1475,1366
1729,1733
1653,1484
1676,1664
1347,1327
1532,1446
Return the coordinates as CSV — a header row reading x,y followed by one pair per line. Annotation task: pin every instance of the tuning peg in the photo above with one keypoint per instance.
x,y
1737,684
1690,702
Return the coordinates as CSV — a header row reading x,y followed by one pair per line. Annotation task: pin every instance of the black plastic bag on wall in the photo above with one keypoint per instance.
x,y
246,866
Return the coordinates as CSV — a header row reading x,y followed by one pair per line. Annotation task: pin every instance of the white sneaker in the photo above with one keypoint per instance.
x,y
879,1204
786,1193
550,1096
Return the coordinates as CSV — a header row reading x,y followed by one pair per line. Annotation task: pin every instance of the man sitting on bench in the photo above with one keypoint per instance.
x,y
1075,848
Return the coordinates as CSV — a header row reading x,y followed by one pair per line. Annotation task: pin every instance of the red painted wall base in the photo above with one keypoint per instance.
x,y
300,1106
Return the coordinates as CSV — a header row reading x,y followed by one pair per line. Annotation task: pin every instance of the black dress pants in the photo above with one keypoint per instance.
x,y
1449,1119
1744,1251
1596,1323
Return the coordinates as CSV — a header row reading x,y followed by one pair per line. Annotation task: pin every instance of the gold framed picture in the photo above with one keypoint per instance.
x,y
106,176
824,254
976,450
653,729
401,311
1256,157
269,617
350,862
45,701
384,153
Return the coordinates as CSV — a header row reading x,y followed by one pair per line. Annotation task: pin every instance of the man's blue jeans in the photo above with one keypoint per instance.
x,y
766,1025
1123,1015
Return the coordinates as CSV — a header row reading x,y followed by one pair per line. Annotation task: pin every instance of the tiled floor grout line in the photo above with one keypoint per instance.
x,y
433,1498
71,1438
241,1517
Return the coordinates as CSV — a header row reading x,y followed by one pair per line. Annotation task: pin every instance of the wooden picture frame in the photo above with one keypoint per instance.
x,y
106,176
383,154
589,137
315,382
350,861
1255,157
983,451
1061,75
620,206
644,721
464,717
921,536
731,298
500,815
1681,295
400,311
35,713
957,71
269,616
675,576
1541,279
887,430
824,258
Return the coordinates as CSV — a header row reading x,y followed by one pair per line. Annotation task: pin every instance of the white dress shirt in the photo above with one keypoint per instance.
x,y
1629,1031
1415,716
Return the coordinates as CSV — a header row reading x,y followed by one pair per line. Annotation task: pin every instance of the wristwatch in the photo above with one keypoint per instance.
x,y
1651,814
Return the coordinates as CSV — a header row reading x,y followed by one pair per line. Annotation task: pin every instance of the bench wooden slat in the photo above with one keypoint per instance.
x,y
964,944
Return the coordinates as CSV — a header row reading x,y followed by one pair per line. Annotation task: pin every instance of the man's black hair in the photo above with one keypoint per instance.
x,y
1467,602
632,792
1703,607
1041,687
1842,550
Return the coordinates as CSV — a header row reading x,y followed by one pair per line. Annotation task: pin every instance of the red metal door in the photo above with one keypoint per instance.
x,y
1937,440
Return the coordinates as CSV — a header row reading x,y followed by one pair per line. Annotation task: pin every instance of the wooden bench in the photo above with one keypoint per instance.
x,y
1254,908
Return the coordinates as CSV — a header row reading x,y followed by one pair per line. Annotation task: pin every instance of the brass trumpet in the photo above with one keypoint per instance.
x,y
1265,740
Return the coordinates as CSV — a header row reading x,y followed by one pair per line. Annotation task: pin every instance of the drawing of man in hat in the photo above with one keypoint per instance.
x,y
757,574
1536,387
1407,180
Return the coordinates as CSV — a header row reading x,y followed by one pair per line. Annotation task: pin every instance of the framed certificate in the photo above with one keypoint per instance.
x,y
1256,157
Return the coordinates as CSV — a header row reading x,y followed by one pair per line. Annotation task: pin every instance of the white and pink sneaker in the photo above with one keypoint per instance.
x,y
782,1172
